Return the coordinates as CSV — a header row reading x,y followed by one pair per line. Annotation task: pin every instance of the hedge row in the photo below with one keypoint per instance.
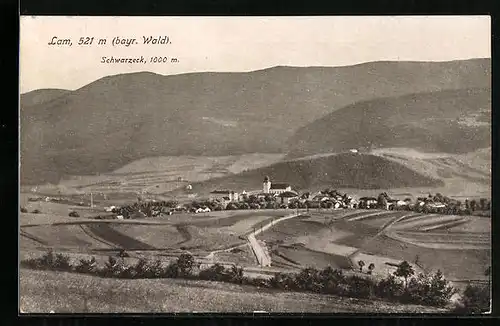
x,y
431,290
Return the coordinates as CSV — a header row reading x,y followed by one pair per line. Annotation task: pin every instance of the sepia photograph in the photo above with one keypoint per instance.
x,y
287,164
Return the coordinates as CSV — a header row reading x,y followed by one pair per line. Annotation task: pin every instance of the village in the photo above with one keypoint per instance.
x,y
283,196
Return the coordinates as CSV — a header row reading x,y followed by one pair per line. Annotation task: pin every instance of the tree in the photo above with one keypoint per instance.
x,y
382,201
371,267
475,300
361,264
405,270
252,199
438,197
185,263
473,205
482,204
487,272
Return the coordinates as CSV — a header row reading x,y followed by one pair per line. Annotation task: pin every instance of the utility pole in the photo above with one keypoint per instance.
x,y
91,200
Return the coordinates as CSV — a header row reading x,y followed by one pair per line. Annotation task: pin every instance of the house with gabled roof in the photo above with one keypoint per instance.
x,y
288,196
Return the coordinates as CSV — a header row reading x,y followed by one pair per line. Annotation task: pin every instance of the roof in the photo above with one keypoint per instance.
x,y
221,192
368,198
288,194
279,185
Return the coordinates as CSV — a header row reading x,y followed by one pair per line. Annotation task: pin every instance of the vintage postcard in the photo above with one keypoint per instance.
x,y
255,164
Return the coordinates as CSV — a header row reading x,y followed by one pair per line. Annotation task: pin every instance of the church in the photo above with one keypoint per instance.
x,y
274,188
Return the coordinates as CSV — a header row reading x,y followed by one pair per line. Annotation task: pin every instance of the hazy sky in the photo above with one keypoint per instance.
x,y
239,44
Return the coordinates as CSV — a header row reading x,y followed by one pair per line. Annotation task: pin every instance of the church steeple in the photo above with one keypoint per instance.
x,y
266,187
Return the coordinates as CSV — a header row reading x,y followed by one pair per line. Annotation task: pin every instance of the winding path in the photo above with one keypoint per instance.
x,y
259,251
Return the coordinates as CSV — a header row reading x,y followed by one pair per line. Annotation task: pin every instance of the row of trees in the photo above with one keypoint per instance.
x,y
401,286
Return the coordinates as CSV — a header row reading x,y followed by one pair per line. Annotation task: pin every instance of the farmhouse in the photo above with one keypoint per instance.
x,y
224,195
287,196
396,203
274,188
368,202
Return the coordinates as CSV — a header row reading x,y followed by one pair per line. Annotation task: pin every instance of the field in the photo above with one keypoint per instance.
x,y
459,246
43,291
464,175
197,234
158,175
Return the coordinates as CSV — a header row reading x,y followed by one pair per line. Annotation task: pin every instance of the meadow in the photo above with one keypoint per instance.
x,y
43,291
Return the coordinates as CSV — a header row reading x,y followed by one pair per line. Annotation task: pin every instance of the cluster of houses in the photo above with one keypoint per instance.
x,y
282,195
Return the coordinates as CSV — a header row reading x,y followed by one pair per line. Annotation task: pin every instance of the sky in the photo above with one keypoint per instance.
x,y
239,44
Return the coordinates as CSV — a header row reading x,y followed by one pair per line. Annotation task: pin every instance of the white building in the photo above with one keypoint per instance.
x,y
288,196
224,195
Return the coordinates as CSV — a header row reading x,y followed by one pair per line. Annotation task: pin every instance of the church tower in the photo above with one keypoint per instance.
x,y
266,185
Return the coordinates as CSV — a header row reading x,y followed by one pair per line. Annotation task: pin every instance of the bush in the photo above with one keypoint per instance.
x,y
113,267
440,291
283,281
360,287
74,214
24,210
332,280
309,280
185,263
214,273
258,282
389,288
172,270
36,211
61,263
235,274
86,266
475,300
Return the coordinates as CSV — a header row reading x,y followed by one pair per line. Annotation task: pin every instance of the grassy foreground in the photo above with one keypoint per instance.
x,y
43,291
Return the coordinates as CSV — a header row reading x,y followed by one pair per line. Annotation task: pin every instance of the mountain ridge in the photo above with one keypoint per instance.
x,y
117,119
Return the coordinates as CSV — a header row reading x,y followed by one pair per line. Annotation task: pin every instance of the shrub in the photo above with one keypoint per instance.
x,y
371,267
214,273
24,210
332,280
431,290
235,274
86,266
283,281
389,288
113,267
417,289
309,279
185,263
172,270
61,263
48,259
475,300
258,282
74,214
360,287
36,211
